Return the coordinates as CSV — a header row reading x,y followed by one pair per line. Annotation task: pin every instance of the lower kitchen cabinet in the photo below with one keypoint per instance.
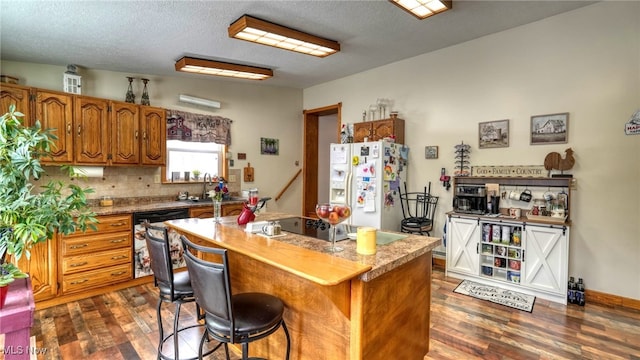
x,y
95,259
232,209
204,212
42,268
522,256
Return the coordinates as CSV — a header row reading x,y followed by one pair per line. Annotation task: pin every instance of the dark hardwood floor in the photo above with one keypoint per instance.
x,y
122,325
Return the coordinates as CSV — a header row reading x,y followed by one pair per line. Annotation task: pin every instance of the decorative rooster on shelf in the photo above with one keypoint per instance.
x,y
554,161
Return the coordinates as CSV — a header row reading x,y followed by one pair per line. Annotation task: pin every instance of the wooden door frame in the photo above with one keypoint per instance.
x,y
310,154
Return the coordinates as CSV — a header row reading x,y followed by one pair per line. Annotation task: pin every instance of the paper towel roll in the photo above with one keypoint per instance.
x,y
89,171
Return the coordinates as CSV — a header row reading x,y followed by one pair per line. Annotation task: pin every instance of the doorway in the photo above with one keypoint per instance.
x,y
311,144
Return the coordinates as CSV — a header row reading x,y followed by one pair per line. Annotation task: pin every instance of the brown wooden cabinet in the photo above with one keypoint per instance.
x,y
42,269
125,133
54,110
201,212
231,209
16,95
92,131
227,209
91,127
379,129
95,259
153,146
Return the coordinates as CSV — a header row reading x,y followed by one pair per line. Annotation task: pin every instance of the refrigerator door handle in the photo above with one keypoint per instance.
x,y
348,192
348,195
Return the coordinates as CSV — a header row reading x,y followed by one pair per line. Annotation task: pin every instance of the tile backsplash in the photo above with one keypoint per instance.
x,y
124,182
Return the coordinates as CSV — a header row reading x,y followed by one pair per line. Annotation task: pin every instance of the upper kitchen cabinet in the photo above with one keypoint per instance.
x,y
154,136
92,131
125,133
91,145
54,110
379,129
18,96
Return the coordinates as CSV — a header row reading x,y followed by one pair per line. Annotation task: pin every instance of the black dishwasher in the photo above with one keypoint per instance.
x,y
141,262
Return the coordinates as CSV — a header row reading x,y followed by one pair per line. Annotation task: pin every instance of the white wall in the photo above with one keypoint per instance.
x,y
256,110
585,62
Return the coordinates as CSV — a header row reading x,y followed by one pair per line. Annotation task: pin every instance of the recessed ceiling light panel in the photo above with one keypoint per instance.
x,y
218,68
422,9
267,33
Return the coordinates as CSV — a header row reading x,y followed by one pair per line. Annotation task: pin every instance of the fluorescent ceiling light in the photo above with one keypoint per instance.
x,y
218,68
267,33
199,101
422,9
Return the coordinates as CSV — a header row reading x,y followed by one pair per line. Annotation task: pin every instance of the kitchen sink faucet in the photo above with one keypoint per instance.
x,y
205,193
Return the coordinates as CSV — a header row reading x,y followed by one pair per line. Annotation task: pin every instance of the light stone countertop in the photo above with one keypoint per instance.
x,y
387,257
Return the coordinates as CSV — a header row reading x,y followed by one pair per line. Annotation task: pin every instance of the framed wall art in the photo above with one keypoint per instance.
x,y
269,146
550,129
493,134
430,152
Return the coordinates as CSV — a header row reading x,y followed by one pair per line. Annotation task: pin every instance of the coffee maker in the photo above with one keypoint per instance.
x,y
470,199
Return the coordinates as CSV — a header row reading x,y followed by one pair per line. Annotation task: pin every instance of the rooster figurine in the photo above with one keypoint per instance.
x,y
554,161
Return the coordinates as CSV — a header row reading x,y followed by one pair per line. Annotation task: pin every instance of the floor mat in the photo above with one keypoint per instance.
x,y
497,295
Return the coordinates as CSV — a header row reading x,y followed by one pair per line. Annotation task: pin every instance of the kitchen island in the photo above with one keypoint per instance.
x,y
338,306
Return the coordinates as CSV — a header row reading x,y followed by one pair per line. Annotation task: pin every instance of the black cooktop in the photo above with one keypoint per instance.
x,y
314,228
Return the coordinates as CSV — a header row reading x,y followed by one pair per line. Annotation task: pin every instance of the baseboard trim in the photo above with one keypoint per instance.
x,y
439,263
591,296
597,297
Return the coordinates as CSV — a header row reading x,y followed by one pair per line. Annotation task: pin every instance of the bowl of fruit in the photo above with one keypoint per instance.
x,y
334,214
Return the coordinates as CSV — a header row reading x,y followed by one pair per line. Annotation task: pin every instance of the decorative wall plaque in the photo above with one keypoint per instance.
x,y
510,171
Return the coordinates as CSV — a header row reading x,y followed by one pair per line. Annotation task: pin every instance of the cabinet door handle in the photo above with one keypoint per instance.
x,y
136,134
79,282
117,241
79,246
118,224
78,264
118,273
118,257
144,135
79,129
68,128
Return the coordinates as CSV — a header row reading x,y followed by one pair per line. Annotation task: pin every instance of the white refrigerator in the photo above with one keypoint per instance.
x,y
367,176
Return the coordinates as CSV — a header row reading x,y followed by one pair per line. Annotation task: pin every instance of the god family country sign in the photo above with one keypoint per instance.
x,y
510,171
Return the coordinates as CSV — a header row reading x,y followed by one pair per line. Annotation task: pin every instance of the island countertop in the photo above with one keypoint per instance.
x,y
339,305
303,255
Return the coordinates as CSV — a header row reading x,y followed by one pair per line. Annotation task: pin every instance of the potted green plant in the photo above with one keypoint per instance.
x,y
28,215
196,174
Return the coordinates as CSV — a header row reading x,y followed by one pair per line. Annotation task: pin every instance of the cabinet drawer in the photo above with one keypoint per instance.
x,y
107,224
96,278
103,259
92,243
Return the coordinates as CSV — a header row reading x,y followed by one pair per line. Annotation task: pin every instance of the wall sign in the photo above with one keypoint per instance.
x,y
633,126
510,171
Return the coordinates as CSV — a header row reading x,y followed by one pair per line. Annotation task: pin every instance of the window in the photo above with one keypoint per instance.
x,y
190,156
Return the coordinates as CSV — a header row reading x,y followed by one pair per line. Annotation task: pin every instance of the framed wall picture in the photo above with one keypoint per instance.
x,y
269,146
550,129
430,152
493,134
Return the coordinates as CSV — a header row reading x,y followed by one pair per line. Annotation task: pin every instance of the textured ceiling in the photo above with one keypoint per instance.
x,y
147,37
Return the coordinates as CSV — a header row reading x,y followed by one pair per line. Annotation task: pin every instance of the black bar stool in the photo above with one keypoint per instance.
x,y
231,318
173,287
